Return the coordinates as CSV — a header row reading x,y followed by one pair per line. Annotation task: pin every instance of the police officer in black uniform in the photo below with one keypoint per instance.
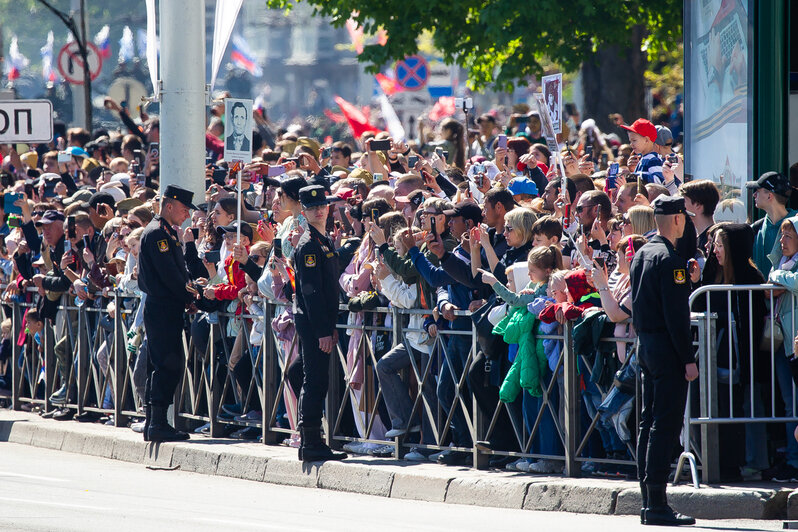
x,y
163,276
661,284
315,314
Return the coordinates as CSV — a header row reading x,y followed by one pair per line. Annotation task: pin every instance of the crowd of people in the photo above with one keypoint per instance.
x,y
482,228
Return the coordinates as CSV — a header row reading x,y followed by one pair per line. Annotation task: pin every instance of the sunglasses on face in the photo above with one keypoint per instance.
x,y
37,213
508,228
580,208
256,258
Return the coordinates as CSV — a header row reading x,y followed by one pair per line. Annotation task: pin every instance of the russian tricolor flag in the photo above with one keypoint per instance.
x,y
103,42
16,62
241,56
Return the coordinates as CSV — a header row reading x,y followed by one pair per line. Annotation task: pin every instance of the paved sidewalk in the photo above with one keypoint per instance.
x,y
393,478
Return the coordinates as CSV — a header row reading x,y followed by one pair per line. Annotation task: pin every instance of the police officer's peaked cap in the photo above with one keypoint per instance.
x,y
670,205
180,194
313,196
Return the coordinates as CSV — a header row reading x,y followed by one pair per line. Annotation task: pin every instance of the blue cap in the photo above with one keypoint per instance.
x,y
74,150
523,185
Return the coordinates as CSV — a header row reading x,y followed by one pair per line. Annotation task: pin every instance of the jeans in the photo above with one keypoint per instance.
x,y
784,378
396,393
546,440
457,349
609,437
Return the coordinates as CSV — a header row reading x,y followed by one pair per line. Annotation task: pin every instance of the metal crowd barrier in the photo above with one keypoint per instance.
x,y
741,384
223,367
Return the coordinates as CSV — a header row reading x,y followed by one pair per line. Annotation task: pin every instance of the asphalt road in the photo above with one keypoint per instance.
x,y
52,490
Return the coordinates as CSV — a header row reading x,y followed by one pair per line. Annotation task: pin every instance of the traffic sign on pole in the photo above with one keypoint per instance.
x,y
26,121
70,62
412,73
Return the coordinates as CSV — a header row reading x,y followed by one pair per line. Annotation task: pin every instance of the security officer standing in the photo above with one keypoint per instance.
x,y
315,315
163,276
661,282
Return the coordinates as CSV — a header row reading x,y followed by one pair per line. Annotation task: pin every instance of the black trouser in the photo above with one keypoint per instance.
x,y
163,323
487,396
664,399
316,375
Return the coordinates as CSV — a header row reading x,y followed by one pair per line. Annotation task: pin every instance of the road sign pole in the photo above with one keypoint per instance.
x,y
86,73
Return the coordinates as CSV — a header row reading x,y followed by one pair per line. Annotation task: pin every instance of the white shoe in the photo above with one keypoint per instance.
x,y
395,433
546,467
203,428
137,427
356,447
514,466
415,455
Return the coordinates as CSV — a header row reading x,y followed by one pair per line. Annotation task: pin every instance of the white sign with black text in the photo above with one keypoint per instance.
x,y
28,121
238,130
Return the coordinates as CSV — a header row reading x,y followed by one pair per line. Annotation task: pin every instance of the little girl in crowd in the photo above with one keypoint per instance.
x,y
532,369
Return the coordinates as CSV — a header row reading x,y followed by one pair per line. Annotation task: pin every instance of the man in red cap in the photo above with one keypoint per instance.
x,y
645,160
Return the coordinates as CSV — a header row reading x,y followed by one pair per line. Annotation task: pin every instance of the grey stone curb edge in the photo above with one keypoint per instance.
x,y
563,494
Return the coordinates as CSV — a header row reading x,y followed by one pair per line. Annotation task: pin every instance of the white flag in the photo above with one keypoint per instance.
x,y
152,48
226,14
392,122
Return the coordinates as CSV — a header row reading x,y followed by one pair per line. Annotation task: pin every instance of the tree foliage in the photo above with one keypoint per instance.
x,y
501,42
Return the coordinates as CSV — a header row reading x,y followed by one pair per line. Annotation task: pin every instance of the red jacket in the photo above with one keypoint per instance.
x,y
235,281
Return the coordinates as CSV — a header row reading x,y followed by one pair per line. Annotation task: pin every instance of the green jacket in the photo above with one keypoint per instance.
x,y
530,363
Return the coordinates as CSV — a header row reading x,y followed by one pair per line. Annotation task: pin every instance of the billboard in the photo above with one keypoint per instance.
x,y
719,94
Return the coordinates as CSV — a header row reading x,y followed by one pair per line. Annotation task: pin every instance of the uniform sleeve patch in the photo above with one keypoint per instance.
x,y
310,261
679,276
163,246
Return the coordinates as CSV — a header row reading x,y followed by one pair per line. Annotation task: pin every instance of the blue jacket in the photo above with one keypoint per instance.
x,y
459,295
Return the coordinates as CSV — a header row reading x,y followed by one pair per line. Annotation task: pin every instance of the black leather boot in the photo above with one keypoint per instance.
x,y
313,448
644,507
160,430
147,421
658,511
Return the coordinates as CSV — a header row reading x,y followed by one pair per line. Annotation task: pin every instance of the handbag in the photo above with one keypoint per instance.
x,y
772,331
491,344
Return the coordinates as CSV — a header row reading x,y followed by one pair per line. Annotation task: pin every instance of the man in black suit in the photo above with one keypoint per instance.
x,y
238,141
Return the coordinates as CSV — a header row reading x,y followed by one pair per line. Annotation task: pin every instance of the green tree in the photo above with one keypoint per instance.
x,y
500,43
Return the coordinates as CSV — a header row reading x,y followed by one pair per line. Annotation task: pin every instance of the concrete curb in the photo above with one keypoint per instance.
x,y
393,478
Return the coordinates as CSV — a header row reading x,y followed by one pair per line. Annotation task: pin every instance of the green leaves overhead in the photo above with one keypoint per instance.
x,y
501,42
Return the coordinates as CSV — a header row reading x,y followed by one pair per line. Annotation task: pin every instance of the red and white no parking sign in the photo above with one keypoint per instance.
x,y
70,62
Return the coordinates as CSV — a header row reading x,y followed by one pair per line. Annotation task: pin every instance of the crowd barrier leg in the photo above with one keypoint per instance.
x,y
50,369
481,424
84,364
120,364
572,398
708,381
270,377
16,371
214,391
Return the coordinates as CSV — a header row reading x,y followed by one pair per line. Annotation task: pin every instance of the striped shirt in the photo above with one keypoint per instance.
x,y
650,167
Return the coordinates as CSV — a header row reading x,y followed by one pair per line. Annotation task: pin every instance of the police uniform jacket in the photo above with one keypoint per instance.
x,y
162,266
660,300
316,264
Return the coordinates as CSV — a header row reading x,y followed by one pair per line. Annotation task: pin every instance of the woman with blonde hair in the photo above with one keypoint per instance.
x,y
639,220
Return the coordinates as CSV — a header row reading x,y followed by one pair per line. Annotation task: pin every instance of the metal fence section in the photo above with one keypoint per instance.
x,y
240,371
745,376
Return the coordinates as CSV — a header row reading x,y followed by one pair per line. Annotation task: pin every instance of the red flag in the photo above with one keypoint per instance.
x,y
357,120
443,107
389,86
335,117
